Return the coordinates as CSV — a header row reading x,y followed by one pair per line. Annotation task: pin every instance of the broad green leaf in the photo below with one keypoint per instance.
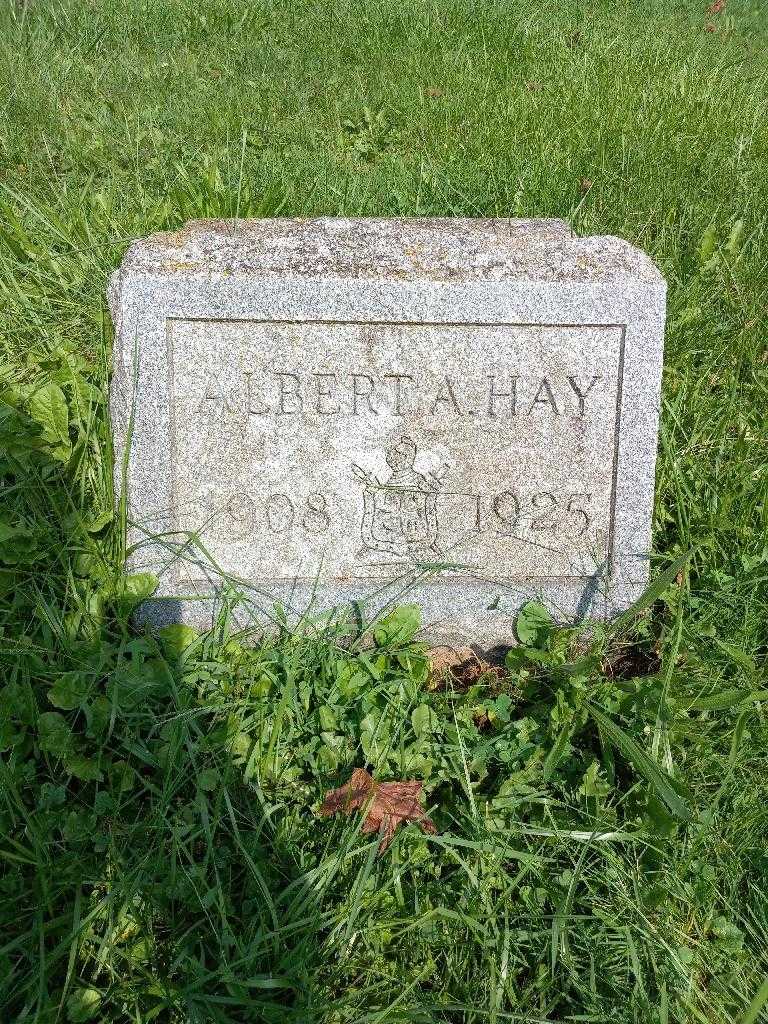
x,y
413,761
176,638
137,588
333,740
8,736
533,624
399,627
658,817
209,779
55,734
593,784
122,777
9,532
86,394
52,796
103,803
48,407
83,1005
69,691
99,520
685,955
557,750
728,932
501,707
130,685
735,237
141,952
643,763
424,720
327,718
707,243
375,723
375,748
98,712
18,544
327,758
262,686
82,767
350,683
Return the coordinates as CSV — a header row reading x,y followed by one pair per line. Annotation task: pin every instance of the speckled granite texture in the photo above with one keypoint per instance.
x,y
327,411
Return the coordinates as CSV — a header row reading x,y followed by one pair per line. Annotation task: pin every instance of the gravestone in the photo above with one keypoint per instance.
x,y
329,410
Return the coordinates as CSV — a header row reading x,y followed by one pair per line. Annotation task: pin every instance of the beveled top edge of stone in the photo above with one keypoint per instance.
x,y
444,249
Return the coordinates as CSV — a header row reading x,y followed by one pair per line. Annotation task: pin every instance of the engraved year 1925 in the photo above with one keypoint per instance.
x,y
510,513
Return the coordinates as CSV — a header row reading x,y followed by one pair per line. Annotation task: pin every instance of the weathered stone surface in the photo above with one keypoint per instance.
x,y
338,407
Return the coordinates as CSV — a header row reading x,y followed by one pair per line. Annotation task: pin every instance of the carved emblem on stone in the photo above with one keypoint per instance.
x,y
400,512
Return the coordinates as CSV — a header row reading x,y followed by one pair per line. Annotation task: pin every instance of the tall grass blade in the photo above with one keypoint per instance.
x,y
650,595
643,763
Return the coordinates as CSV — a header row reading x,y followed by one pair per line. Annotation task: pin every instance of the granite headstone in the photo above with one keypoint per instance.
x,y
321,411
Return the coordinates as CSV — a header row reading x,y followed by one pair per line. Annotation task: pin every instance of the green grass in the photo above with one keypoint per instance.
x,y
601,853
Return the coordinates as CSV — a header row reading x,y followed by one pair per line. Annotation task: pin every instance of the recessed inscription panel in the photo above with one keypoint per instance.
x,y
350,451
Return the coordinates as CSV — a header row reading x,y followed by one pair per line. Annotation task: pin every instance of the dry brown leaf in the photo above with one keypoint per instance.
x,y
386,804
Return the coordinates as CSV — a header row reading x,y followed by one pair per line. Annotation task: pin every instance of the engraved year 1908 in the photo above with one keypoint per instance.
x,y
277,513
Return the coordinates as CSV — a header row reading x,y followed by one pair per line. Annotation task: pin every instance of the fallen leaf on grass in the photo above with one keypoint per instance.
x,y
387,804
